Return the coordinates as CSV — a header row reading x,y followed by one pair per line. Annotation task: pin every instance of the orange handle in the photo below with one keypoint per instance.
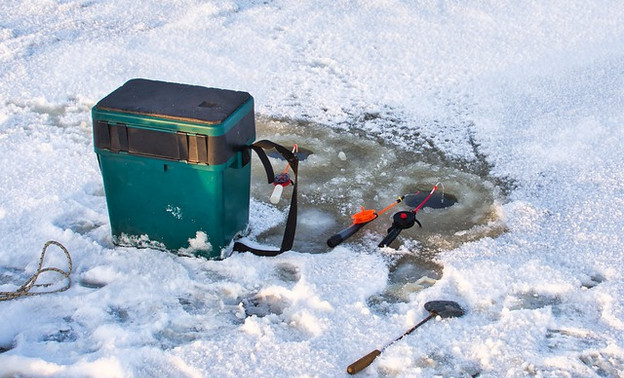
x,y
363,362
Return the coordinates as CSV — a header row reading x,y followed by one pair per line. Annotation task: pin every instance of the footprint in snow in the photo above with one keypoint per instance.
x,y
593,281
262,305
534,301
288,272
604,364
91,283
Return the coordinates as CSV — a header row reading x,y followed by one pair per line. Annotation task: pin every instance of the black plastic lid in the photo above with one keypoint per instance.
x,y
175,101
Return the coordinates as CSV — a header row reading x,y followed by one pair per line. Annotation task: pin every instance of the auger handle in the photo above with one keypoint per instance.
x,y
363,362
344,234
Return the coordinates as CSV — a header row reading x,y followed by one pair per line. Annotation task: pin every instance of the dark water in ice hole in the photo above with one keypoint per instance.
x,y
346,171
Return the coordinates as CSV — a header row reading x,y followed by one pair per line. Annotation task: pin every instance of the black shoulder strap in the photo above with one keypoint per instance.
x,y
291,222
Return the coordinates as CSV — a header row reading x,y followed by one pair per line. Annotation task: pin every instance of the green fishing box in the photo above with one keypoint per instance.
x,y
175,165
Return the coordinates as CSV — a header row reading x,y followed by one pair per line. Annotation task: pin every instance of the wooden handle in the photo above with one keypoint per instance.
x,y
363,362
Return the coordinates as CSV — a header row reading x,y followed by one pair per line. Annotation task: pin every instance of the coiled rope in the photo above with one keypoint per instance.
x,y
24,290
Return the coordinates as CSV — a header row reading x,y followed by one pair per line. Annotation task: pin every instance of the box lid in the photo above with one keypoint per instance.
x,y
174,101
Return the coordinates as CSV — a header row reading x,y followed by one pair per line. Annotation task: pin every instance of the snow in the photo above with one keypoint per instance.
x,y
526,95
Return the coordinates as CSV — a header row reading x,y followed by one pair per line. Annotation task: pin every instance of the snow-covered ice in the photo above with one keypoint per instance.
x,y
527,96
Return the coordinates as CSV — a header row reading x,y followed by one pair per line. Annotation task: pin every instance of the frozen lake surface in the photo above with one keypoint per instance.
x,y
516,107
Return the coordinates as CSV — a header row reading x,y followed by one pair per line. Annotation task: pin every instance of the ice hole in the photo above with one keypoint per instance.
x,y
373,175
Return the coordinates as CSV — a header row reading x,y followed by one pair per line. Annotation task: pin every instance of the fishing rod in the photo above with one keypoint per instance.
x,y
281,180
404,220
365,216
443,309
360,220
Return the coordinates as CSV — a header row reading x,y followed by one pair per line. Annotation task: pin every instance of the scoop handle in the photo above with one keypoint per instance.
x,y
363,362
